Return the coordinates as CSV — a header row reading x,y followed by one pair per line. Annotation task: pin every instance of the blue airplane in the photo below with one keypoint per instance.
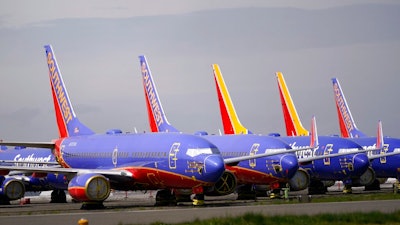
x,y
249,173
96,163
274,170
386,167
346,167
15,184
295,128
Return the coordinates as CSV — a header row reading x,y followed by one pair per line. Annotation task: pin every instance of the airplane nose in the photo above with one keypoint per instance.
x,y
360,163
214,167
289,165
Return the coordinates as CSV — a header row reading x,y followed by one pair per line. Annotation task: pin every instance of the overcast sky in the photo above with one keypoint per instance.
x,y
97,44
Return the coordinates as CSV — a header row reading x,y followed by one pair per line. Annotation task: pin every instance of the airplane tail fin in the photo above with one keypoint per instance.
x,y
314,134
379,136
347,124
157,119
230,120
68,123
292,120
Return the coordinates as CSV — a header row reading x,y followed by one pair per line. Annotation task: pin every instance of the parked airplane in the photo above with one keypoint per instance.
x,y
17,182
341,167
247,173
294,127
96,163
385,167
273,171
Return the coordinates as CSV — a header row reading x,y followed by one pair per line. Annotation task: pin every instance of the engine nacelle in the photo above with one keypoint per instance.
x,y
12,188
89,187
300,180
224,186
367,178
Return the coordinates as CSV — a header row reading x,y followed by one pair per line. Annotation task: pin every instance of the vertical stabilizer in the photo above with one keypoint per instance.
x,y
157,119
292,120
314,134
230,120
68,123
347,125
379,136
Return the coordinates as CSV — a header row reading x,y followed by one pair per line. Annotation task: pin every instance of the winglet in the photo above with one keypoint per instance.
x,y
292,120
157,119
68,123
347,124
314,134
230,120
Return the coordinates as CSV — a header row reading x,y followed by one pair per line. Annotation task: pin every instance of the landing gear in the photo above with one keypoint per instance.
x,y
58,196
375,186
246,192
4,200
347,189
316,187
92,205
275,193
198,199
165,198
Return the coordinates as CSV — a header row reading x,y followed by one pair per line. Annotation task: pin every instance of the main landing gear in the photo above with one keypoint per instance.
x,y
58,196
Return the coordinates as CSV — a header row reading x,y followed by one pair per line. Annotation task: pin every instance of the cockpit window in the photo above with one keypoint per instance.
x,y
349,150
198,151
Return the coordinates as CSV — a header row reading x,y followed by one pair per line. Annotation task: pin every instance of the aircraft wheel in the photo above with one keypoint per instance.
x,y
58,196
246,192
375,186
165,198
316,187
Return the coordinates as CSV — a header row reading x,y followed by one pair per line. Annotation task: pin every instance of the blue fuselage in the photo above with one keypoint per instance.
x,y
162,159
334,168
384,167
34,182
279,167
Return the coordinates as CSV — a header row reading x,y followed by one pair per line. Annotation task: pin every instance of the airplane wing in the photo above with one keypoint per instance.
x,y
235,160
27,162
49,145
68,171
309,159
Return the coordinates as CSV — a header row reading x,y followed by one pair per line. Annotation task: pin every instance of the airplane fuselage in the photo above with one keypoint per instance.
x,y
33,157
265,170
186,162
335,168
384,167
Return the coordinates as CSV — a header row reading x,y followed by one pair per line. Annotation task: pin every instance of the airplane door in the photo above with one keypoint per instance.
x,y
115,157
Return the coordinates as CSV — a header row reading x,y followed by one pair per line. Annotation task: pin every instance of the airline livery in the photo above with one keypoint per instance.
x,y
274,170
366,178
335,167
14,185
96,163
385,167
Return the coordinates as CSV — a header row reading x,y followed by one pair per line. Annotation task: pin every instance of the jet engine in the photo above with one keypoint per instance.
x,y
89,188
300,180
12,188
224,186
367,178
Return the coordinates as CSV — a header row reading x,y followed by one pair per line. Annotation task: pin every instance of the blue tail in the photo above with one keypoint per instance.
x,y
158,120
68,123
347,125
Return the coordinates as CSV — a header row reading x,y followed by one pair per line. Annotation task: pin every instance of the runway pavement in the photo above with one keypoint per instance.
x,y
137,208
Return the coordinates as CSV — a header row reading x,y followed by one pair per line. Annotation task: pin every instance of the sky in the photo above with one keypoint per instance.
x,y
97,44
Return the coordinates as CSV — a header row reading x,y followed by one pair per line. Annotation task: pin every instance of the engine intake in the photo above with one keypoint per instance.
x,y
300,180
89,187
224,186
12,188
